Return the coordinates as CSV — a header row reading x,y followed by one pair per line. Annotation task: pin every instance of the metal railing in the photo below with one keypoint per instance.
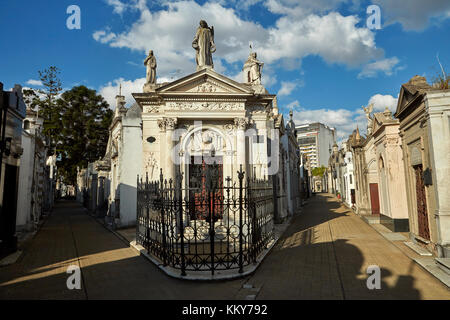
x,y
212,224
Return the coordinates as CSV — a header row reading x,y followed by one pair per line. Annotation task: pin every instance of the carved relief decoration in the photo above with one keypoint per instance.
x,y
229,128
151,109
241,123
167,123
205,106
203,86
206,140
151,165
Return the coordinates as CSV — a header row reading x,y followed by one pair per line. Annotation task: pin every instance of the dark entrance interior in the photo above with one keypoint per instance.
x,y
205,188
8,243
422,213
374,198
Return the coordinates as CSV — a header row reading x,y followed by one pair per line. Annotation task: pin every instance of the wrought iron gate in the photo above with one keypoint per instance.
x,y
217,224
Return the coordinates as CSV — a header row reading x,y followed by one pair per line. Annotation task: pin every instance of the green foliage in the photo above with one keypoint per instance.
x,y
85,119
44,101
76,122
441,82
318,172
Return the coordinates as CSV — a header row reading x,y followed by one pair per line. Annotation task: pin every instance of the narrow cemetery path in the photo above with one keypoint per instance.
x,y
323,254
110,269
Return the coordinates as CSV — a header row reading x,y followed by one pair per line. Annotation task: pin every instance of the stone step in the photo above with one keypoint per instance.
x,y
10,259
371,219
443,264
431,266
418,249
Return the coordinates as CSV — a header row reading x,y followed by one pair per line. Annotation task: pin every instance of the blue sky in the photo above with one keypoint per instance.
x,y
320,57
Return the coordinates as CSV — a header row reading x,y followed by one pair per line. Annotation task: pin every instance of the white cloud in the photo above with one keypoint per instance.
x,y
414,14
387,66
169,32
103,37
33,82
304,7
380,102
286,88
119,7
343,120
111,90
268,79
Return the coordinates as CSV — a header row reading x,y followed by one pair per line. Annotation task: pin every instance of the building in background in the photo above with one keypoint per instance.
x,y
315,141
12,113
349,192
108,185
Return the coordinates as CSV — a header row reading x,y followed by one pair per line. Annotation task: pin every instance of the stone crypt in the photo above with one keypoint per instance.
x,y
206,113
203,166
205,200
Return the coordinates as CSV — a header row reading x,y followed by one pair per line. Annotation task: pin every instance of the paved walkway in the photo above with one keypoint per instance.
x,y
323,254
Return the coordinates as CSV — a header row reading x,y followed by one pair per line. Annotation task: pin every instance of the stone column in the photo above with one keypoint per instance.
x,y
170,156
241,124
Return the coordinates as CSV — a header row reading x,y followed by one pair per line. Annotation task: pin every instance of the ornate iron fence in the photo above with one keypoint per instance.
x,y
209,224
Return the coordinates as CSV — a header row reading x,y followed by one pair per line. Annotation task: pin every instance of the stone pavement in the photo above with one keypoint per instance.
x,y
110,269
322,255
325,254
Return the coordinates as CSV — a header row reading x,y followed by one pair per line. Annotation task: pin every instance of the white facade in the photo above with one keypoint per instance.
x,y
348,175
33,191
175,126
315,141
125,162
437,105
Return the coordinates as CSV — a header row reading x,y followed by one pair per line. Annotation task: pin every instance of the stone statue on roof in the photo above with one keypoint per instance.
x,y
204,46
253,69
150,63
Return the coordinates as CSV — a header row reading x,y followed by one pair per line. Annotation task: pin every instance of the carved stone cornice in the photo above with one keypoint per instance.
x,y
257,109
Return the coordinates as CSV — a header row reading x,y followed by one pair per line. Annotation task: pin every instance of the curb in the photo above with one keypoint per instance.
x,y
248,270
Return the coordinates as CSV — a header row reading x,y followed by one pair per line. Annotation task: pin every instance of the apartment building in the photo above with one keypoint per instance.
x,y
316,141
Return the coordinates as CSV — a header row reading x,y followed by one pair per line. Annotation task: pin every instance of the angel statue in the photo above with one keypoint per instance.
x,y
368,111
150,63
204,46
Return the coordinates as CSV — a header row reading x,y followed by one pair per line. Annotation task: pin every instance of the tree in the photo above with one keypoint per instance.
x,y
85,119
44,101
318,172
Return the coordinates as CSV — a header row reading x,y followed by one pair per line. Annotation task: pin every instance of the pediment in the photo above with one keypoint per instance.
x,y
409,92
204,82
375,125
378,121
405,97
